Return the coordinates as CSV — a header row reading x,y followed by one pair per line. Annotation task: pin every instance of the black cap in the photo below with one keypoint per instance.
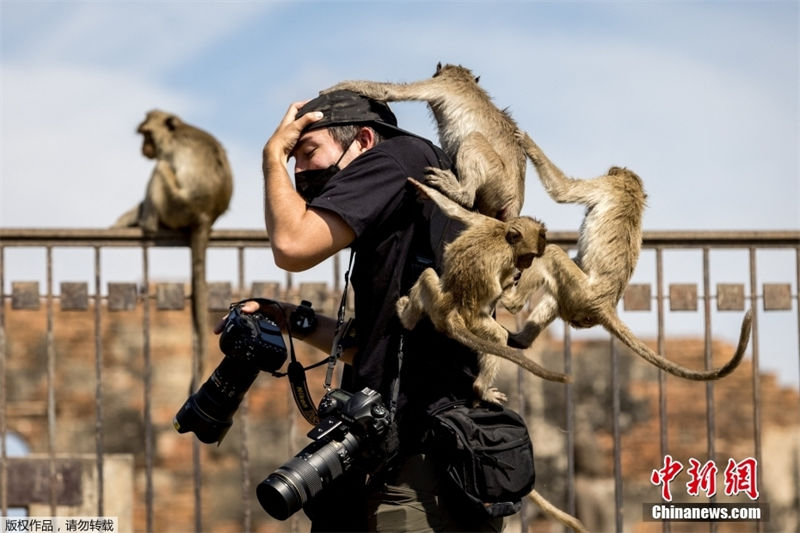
x,y
347,107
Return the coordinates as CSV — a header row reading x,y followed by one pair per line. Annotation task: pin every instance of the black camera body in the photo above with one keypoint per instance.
x,y
355,431
251,342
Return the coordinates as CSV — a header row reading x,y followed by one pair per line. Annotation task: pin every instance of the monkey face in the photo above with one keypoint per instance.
x,y
527,238
148,145
455,72
156,123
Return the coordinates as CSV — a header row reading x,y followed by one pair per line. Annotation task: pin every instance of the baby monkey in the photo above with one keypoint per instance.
x,y
483,261
584,292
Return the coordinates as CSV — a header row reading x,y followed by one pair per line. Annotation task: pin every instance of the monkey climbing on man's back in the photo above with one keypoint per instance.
x,y
473,132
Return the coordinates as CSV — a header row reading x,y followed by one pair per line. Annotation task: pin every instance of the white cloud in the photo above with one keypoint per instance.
x,y
142,36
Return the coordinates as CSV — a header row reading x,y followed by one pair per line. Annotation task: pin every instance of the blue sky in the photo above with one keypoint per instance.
x,y
699,98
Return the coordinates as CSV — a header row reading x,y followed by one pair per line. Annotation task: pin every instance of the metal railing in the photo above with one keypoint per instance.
x,y
25,295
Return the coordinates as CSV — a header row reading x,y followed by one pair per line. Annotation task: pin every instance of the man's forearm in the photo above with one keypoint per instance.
x,y
322,337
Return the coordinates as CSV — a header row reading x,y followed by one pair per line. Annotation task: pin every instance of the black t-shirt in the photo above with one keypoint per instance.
x,y
392,247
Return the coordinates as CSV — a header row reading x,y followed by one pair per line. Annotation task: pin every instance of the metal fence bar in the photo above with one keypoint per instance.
x,y
709,364
662,376
147,378
615,401
797,294
569,393
756,366
3,428
98,370
245,417
51,388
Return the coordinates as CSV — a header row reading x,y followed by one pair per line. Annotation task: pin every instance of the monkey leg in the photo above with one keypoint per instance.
x,y
130,218
425,297
561,188
488,328
475,161
542,314
531,281
448,206
567,293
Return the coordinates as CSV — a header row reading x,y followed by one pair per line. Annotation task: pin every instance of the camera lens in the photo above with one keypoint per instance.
x,y
209,411
285,491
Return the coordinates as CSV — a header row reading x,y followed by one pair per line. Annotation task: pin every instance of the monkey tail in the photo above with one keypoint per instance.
x,y
200,235
557,514
613,324
462,334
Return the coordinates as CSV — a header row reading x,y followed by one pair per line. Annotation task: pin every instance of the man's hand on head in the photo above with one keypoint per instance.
x,y
286,135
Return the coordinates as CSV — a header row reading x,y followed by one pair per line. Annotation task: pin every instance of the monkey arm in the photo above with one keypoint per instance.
x,y
423,90
448,206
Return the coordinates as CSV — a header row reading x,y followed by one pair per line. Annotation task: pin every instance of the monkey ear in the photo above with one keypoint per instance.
x,y
513,235
171,123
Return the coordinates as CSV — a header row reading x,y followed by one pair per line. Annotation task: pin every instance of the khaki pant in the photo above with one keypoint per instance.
x,y
413,501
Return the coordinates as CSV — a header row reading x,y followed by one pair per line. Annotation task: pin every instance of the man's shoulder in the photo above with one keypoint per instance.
x,y
408,147
405,142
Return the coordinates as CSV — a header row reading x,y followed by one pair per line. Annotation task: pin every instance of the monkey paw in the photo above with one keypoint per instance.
x,y
409,316
402,303
495,396
446,182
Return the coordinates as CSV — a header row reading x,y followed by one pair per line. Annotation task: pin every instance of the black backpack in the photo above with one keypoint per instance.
x,y
486,453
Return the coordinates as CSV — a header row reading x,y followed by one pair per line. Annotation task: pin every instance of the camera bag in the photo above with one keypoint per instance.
x,y
486,453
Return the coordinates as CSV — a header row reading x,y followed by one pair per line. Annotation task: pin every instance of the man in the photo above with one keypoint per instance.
x,y
351,169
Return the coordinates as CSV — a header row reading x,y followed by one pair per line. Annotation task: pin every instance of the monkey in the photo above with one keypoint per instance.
x,y
584,292
478,265
476,135
189,188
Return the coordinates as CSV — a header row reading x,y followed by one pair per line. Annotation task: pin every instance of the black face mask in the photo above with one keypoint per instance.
x,y
309,183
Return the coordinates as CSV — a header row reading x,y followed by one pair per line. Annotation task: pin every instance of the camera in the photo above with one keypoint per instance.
x,y
355,430
251,342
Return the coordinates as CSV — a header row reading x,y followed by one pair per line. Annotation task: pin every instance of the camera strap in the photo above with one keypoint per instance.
x,y
336,348
395,392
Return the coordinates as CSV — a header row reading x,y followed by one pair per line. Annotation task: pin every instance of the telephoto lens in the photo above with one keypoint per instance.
x,y
250,342
286,491
209,411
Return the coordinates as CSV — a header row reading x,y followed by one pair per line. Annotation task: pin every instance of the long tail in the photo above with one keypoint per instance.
x,y
613,324
557,514
199,242
462,334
